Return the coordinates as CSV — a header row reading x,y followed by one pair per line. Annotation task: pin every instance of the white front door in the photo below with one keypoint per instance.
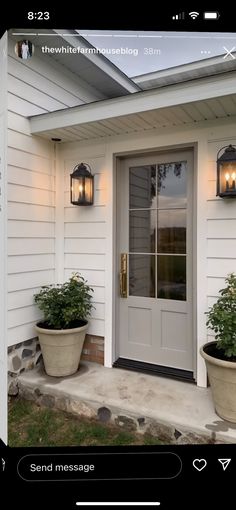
x,y
154,230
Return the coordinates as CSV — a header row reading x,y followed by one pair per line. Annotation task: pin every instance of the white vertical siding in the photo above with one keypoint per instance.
x,y
35,86
85,235
221,228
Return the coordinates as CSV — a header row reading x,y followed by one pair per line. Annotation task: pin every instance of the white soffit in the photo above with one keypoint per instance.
x,y
187,103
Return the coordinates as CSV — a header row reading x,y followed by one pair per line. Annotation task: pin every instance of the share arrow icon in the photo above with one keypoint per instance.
x,y
224,463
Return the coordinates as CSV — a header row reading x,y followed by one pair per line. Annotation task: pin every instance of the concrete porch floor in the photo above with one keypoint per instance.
x,y
174,411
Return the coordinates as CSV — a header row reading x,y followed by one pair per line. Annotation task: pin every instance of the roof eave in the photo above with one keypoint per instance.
x,y
172,95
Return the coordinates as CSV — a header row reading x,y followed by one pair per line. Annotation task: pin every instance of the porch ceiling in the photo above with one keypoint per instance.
x,y
176,105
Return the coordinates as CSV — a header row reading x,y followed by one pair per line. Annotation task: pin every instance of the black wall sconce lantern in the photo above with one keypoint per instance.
x,y
226,172
81,185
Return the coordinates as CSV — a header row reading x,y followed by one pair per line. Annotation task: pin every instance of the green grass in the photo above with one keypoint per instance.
x,y
31,425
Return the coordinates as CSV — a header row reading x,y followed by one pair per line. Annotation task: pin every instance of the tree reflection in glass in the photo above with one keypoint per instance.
x,y
171,184
157,230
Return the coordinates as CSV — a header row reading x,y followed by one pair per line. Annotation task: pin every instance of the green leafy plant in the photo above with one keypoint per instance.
x,y
65,305
222,318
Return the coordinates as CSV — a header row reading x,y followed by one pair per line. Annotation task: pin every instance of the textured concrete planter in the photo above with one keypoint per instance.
x,y
222,377
61,349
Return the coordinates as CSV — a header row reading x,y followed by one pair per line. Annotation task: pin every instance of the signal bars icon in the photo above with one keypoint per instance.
x,y
178,16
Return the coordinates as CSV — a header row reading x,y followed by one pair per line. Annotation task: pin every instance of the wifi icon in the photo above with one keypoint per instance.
x,y
193,14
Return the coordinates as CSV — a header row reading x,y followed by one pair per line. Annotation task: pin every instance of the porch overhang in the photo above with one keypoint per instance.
x,y
183,103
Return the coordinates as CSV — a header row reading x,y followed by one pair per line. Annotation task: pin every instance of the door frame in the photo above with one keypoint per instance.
x,y
118,157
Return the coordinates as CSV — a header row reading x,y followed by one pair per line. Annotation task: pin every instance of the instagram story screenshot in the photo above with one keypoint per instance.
x,y
117,258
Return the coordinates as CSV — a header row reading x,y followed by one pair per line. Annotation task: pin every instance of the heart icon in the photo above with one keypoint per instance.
x,y
199,464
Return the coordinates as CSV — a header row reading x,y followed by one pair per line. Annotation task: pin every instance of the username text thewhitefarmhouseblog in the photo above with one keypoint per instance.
x,y
91,51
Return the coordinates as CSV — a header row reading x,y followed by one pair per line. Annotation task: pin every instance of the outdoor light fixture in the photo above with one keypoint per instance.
x,y
226,172
81,185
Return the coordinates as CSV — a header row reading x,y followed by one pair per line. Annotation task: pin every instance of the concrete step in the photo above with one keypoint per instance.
x,y
175,412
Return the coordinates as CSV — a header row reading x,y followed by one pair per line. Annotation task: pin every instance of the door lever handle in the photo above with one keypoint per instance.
x,y
123,275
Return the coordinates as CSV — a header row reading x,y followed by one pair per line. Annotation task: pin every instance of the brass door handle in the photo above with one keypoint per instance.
x,y
123,275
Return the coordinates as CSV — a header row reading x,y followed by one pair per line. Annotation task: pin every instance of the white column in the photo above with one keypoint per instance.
x,y
109,340
201,254
59,173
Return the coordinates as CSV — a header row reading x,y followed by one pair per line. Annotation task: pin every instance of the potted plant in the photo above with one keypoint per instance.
x,y
61,333
220,355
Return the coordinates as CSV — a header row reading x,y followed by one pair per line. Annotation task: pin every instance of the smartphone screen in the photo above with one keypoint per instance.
x,y
118,257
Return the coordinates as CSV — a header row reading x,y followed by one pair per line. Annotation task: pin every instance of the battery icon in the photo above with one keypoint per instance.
x,y
211,15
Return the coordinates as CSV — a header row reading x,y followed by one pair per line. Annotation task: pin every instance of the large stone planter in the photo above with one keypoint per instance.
x,y
61,349
222,377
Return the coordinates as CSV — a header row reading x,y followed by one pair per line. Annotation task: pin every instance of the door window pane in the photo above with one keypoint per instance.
x,y
171,231
171,184
171,277
142,187
142,275
142,231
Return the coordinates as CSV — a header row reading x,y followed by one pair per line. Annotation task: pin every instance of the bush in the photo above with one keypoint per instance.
x,y
222,318
64,305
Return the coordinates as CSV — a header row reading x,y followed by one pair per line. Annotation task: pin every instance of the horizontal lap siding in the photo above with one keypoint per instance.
x,y
221,229
35,86
31,228
30,280
85,238
44,73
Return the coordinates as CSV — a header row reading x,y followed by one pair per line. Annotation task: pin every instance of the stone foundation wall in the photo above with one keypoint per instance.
x,y
93,349
26,355
23,356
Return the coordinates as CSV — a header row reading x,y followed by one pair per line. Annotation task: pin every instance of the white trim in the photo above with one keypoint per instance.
x,y
109,343
164,142
201,256
172,95
98,59
194,256
209,66
59,215
3,240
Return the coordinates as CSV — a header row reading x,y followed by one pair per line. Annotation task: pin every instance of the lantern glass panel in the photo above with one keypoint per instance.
x,y
76,189
227,177
88,190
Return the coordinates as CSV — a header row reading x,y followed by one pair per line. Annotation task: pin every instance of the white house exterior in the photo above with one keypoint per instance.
x,y
110,122
3,233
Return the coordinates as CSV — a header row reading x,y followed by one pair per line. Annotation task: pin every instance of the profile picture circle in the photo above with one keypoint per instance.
x,y
24,49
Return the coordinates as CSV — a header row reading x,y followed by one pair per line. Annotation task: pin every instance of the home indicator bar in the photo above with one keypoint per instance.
x,y
118,503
